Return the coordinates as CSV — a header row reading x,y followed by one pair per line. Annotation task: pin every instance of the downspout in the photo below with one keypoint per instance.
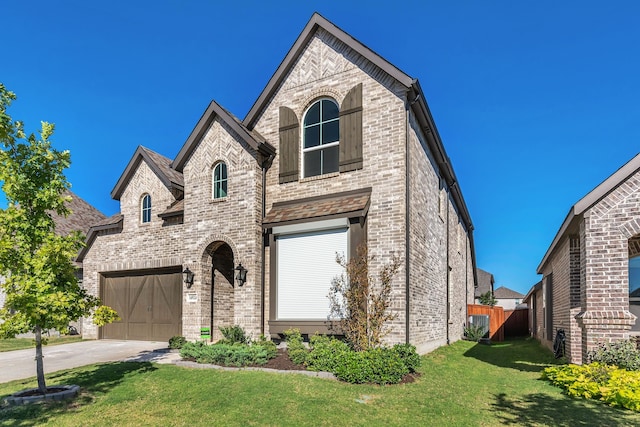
x,y
448,271
265,165
407,216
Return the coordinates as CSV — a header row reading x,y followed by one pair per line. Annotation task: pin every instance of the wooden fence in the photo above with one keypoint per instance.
x,y
509,323
516,323
496,319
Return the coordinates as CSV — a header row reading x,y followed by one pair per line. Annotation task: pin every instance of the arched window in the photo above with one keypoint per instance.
x,y
146,209
220,181
320,140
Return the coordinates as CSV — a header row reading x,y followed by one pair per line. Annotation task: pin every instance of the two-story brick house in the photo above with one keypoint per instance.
x,y
339,150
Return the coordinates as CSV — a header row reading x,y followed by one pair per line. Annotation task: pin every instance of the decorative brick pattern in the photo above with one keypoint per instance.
x,y
404,215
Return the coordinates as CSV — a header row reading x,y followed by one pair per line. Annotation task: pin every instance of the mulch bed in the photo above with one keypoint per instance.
x,y
284,363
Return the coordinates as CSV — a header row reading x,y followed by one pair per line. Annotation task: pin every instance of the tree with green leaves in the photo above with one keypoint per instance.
x,y
487,299
40,283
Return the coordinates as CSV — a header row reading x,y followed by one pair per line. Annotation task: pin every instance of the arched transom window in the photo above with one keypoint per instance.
x,y
220,181
145,211
321,136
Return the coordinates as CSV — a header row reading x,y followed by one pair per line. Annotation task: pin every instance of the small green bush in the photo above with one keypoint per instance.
x,y
176,342
409,356
268,345
608,383
326,353
295,346
226,354
234,335
190,350
475,332
377,365
623,354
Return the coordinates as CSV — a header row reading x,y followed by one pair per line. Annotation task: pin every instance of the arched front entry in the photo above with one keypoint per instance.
x,y
222,290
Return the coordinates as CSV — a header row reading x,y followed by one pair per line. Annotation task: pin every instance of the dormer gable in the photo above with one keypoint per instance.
x,y
252,138
159,164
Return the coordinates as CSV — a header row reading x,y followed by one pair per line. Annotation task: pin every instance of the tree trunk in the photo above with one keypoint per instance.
x,y
39,365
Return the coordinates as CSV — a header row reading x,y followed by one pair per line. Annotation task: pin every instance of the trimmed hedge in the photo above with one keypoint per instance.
x,y
326,353
227,354
378,365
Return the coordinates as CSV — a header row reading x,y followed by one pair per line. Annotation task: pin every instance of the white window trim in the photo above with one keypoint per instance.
x,y
319,146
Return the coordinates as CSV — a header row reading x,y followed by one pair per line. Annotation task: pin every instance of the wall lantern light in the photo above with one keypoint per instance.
x,y
188,277
241,277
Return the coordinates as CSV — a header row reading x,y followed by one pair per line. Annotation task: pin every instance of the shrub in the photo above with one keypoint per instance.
x,y
623,354
295,346
190,350
268,345
226,354
409,356
377,365
325,353
176,342
608,383
474,332
234,335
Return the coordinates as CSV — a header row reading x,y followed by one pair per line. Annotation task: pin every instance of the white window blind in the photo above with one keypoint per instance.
x,y
306,267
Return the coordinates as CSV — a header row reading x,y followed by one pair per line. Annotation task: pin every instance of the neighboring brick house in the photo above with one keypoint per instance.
x,y
507,298
338,150
586,288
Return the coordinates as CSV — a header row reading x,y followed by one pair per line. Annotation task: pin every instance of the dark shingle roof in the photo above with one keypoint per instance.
x,y
82,216
338,205
176,208
158,163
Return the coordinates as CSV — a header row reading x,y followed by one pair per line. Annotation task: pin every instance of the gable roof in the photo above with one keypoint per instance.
x,y
158,163
252,138
82,216
415,95
113,224
506,293
594,196
318,21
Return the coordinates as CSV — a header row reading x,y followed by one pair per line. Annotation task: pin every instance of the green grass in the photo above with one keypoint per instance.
x,y
465,384
10,344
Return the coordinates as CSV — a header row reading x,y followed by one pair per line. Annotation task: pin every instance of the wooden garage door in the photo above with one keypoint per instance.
x,y
149,305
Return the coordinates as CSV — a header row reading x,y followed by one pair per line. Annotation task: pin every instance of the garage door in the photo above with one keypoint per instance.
x,y
149,305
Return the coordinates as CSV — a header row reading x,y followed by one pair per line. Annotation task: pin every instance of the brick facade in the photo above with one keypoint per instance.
x,y
415,211
590,265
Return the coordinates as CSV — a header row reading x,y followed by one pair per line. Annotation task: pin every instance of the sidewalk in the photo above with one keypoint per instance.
x,y
20,364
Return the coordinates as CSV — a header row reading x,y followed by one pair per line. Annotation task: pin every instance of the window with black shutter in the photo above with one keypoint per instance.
x,y
288,150
351,130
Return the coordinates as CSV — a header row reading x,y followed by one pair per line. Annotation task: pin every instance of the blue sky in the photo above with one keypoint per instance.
x,y
536,102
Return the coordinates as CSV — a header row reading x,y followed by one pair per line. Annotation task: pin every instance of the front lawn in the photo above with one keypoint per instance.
x,y
10,344
463,384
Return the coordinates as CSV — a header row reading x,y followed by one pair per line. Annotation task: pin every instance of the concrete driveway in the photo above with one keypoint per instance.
x,y
20,364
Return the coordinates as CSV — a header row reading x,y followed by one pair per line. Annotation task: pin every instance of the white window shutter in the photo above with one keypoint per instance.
x,y
306,267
